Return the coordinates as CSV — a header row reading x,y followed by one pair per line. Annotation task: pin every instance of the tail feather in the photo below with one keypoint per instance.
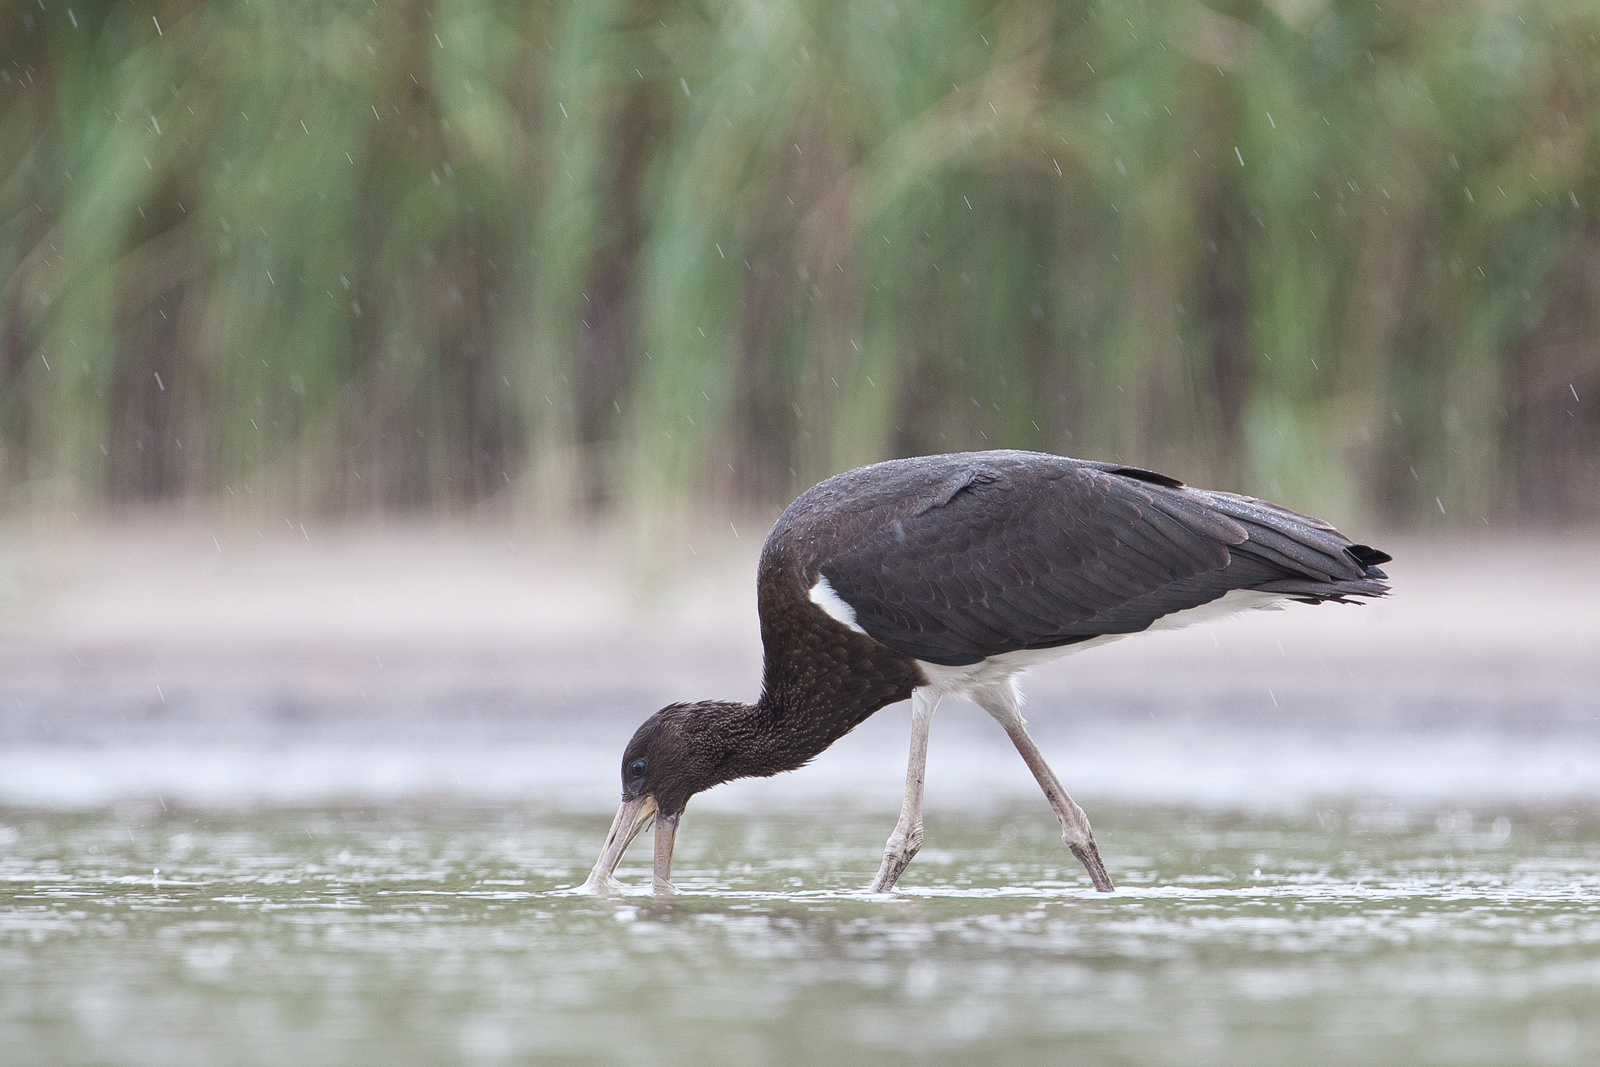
x,y
1283,551
1314,592
1313,560
1369,558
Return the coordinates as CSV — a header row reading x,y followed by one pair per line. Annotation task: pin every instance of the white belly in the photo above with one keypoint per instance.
x,y
1008,666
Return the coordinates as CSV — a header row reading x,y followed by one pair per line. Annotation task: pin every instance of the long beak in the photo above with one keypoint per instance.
x,y
632,816
666,835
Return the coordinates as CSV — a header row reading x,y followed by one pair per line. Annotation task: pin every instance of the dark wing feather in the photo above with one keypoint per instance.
x,y
1017,550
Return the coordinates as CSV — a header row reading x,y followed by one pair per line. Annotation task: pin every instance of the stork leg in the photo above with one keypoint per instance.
x,y
1003,702
907,837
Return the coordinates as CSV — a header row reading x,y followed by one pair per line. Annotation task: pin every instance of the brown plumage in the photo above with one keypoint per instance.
x,y
952,574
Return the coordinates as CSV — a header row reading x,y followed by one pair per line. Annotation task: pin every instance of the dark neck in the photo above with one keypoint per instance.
x,y
820,679
791,731
788,727
815,696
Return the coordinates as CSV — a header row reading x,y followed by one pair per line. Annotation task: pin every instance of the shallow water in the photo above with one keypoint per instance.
x,y
317,806
417,934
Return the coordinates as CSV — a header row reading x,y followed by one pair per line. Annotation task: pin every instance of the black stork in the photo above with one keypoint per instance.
x,y
922,578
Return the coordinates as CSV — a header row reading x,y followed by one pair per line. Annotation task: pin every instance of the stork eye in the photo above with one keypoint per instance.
x,y
636,769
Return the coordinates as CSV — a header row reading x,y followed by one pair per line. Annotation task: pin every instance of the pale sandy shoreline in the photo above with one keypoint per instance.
x,y
376,662
487,608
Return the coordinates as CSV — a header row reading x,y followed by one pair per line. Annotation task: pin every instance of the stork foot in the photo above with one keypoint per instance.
x,y
1089,856
1002,702
907,837
897,856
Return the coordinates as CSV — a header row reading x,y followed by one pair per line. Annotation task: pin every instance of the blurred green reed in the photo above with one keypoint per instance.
x,y
639,257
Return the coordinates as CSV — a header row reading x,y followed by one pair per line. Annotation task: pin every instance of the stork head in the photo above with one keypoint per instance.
x,y
681,750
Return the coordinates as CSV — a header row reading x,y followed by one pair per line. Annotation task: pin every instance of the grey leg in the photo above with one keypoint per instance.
x,y
907,837
1002,702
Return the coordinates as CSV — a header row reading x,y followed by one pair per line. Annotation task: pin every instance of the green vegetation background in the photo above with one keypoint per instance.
x,y
633,257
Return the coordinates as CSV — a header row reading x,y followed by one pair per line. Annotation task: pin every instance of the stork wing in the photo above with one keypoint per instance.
x,y
1013,556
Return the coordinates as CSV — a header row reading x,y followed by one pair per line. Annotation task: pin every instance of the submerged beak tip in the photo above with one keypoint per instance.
x,y
632,817
666,837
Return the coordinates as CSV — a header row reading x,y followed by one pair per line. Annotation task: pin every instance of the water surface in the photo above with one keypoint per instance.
x,y
315,801
440,934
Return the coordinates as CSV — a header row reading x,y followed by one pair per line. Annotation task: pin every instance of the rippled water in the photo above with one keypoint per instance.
x,y
410,934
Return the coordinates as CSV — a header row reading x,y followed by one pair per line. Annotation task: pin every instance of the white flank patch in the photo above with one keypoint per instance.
x,y
825,597
1001,670
1233,602
1006,668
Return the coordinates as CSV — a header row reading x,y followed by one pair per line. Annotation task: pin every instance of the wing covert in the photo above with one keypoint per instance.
x,y
1018,556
